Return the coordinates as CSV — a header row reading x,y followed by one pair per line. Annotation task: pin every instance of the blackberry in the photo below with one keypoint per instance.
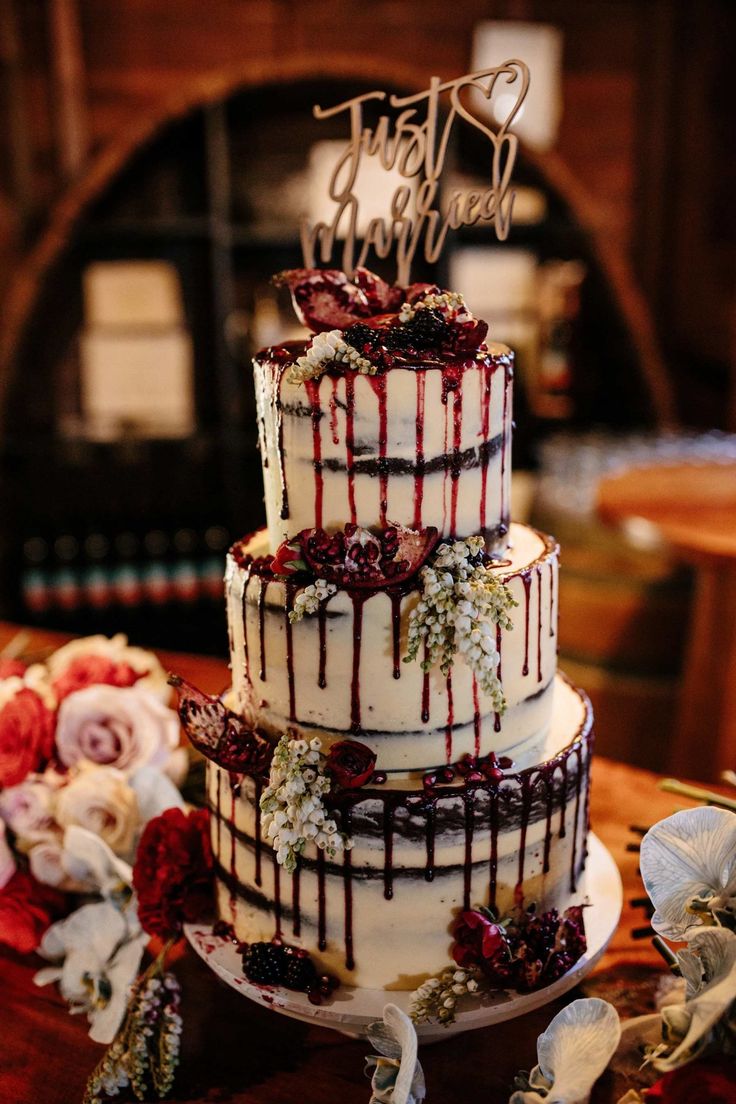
x,y
264,963
426,330
364,338
299,972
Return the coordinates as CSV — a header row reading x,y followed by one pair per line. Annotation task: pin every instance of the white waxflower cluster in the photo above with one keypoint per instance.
x,y
460,603
292,805
326,347
448,303
436,998
307,601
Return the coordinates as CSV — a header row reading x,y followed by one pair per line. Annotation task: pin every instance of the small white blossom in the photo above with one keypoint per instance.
x,y
323,349
437,997
450,304
292,805
461,599
308,600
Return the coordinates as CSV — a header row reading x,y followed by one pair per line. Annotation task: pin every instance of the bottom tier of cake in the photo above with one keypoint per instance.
x,y
380,915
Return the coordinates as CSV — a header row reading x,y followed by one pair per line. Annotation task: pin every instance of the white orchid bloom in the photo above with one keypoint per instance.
x,y
87,859
709,969
397,1075
98,951
573,1053
690,857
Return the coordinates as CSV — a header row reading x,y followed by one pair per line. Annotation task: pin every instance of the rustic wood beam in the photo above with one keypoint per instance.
x,y
68,87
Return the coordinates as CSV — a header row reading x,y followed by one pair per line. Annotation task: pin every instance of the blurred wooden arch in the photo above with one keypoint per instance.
x,y
112,159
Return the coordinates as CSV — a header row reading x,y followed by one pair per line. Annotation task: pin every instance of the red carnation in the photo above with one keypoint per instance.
x,y
173,872
350,764
477,940
91,670
26,736
26,909
714,1081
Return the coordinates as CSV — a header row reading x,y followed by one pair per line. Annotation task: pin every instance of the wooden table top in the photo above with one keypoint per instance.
x,y
237,1052
692,505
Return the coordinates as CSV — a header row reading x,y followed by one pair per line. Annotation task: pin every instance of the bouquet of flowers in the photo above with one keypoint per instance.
x,y
97,850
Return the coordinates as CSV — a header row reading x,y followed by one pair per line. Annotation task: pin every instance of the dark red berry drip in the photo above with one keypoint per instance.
x,y
258,787
350,442
218,807
419,471
485,375
347,875
322,628
469,800
333,411
526,805
262,625
430,838
378,383
452,383
493,861
296,914
290,587
388,850
358,600
476,719
576,821
497,716
312,387
279,416
246,655
321,903
450,719
563,793
527,581
396,597
233,871
549,779
276,895
425,693
504,446
539,623
551,600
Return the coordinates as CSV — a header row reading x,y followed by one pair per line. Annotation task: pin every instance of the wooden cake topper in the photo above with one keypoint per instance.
x,y
415,142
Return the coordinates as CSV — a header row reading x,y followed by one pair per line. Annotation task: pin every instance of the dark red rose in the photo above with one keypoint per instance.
x,y
477,940
26,736
714,1081
350,764
26,909
91,670
173,872
11,667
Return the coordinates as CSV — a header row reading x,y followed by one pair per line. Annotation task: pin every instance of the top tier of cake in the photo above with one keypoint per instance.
x,y
424,444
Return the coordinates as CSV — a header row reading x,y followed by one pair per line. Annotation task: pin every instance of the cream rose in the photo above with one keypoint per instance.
x,y
122,727
101,659
100,799
28,810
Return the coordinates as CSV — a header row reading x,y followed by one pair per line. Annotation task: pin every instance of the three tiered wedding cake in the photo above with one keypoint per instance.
x,y
400,792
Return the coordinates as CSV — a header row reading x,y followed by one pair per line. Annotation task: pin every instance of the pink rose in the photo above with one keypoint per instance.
x,y
26,731
122,727
95,660
27,809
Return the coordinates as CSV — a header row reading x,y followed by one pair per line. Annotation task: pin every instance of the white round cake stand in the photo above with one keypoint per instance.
x,y
350,1009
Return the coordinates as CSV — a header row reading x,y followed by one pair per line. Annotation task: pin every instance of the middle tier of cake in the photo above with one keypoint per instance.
x,y
339,673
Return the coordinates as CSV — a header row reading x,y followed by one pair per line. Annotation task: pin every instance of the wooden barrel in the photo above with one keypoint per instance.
x,y
624,615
